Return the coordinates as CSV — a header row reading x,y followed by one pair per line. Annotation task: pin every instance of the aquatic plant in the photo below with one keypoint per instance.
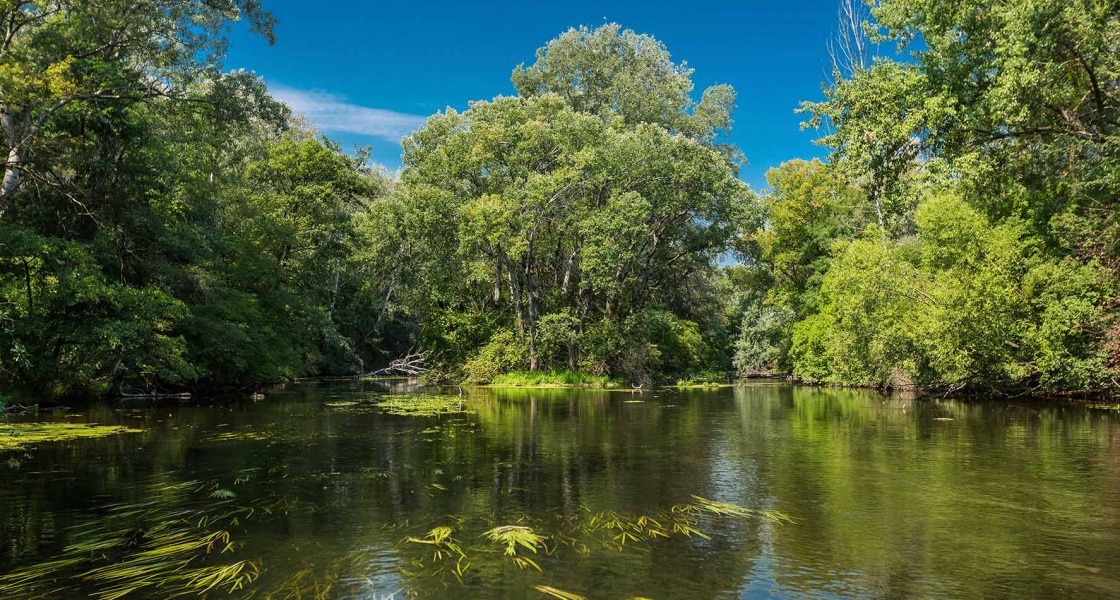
x,y
557,593
583,532
443,547
175,543
17,436
319,581
245,434
419,405
514,536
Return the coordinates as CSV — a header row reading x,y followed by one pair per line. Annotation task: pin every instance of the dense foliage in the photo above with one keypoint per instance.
x,y
165,223
965,233
575,225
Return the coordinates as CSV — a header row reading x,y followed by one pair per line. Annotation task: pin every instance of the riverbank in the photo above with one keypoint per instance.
x,y
554,379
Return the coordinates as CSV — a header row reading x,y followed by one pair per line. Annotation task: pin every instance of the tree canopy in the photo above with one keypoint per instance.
x,y
165,223
571,210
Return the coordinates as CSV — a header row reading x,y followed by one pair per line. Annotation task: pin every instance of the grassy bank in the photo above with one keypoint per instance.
x,y
703,380
554,379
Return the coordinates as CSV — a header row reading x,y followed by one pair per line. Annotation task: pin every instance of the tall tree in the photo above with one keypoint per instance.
x,y
550,210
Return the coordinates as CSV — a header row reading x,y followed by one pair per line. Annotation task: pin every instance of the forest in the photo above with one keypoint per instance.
x,y
166,224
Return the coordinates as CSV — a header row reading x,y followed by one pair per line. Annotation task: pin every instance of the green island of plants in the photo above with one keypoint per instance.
x,y
18,436
562,378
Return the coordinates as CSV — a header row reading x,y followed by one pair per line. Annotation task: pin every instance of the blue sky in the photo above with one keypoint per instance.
x,y
367,72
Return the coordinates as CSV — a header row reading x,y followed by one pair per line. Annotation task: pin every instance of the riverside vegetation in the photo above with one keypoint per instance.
x,y
167,224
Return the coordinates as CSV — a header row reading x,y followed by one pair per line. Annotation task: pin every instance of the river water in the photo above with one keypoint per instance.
x,y
835,494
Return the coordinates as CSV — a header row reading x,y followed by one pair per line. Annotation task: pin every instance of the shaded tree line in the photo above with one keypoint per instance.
x,y
164,222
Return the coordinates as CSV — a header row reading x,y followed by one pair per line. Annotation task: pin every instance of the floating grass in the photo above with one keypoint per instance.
x,y
420,405
246,434
317,582
17,436
443,547
514,536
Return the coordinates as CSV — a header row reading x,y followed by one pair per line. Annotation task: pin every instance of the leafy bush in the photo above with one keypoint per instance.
x,y
763,341
965,304
558,340
71,330
502,354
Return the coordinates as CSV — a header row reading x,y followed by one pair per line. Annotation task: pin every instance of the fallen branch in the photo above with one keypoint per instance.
x,y
412,364
19,408
153,395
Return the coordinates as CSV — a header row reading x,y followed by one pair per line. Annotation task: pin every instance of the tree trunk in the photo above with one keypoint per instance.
x,y
515,297
13,177
531,296
498,280
17,151
334,291
568,270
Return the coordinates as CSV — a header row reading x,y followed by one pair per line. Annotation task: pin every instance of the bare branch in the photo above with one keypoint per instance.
x,y
412,364
850,50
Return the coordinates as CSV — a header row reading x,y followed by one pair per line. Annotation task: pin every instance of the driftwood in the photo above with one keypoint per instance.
x,y
411,364
19,408
154,396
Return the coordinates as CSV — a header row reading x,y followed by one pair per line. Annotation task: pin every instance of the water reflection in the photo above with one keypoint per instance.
x,y
890,497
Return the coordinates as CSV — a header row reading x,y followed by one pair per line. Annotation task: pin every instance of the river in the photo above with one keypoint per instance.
x,y
759,491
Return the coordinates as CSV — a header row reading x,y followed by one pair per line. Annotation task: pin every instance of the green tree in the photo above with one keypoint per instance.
x,y
57,56
967,304
809,207
1013,108
611,71
583,196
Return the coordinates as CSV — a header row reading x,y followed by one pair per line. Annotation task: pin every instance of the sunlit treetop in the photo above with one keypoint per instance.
x,y
610,71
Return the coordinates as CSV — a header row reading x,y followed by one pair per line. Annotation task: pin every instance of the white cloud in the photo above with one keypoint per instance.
x,y
331,112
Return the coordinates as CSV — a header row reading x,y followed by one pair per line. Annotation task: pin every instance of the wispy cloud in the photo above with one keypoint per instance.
x,y
331,112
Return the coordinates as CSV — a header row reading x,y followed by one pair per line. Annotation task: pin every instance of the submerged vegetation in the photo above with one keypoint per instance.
x,y
167,545
405,405
419,405
447,554
187,539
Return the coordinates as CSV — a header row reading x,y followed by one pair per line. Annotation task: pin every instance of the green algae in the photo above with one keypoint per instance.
x,y
420,405
17,436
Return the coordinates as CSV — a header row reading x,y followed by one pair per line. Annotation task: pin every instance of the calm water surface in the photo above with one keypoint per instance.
x,y
886,498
